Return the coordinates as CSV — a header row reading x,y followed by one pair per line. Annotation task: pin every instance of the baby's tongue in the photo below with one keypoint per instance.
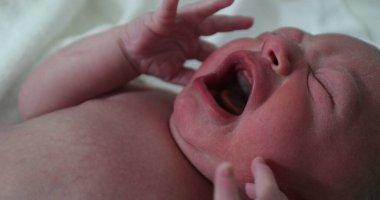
x,y
232,99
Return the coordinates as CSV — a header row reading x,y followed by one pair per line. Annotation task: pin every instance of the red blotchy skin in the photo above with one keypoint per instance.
x,y
311,101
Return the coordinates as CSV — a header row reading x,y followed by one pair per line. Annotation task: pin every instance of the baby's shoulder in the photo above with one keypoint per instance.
x,y
139,98
129,111
132,103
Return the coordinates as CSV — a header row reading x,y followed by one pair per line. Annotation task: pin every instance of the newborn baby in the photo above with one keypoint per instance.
x,y
307,104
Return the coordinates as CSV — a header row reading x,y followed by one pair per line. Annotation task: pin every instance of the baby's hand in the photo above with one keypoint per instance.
x,y
159,43
265,186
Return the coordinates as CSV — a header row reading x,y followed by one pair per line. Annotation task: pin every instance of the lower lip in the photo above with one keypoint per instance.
x,y
211,105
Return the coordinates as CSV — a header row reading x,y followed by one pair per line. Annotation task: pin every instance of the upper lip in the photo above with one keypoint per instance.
x,y
256,68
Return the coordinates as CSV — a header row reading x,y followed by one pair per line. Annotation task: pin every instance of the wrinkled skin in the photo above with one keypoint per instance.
x,y
311,114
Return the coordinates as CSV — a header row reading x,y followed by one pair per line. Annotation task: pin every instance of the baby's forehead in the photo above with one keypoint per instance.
x,y
341,41
348,48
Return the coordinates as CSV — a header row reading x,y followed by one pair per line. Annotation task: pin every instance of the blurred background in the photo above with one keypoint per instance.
x,y
31,30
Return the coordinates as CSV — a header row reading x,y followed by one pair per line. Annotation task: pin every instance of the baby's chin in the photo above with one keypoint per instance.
x,y
198,159
174,131
172,126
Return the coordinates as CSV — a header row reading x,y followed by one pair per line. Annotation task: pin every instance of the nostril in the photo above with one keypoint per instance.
x,y
273,58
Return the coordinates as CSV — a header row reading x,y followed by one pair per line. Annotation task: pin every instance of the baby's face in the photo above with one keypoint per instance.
x,y
302,102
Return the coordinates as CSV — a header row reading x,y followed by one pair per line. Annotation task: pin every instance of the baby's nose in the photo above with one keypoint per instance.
x,y
280,52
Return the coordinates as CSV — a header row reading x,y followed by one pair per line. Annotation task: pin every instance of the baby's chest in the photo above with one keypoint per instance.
x,y
121,145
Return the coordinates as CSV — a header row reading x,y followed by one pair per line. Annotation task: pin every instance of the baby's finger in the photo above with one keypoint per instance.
x,y
166,14
225,186
197,12
223,23
265,182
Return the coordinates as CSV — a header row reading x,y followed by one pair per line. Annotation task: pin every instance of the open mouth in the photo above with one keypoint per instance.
x,y
231,88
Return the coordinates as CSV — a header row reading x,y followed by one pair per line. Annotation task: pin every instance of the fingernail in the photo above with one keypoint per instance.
x,y
227,169
260,159
257,161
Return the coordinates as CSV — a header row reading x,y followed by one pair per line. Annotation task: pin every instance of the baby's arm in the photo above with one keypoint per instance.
x,y
265,186
157,44
76,73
